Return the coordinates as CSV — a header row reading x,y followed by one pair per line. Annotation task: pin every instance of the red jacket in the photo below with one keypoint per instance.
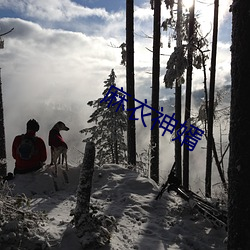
x,y
37,159
55,139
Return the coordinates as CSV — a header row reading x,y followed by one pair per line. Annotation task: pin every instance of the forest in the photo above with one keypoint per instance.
x,y
193,135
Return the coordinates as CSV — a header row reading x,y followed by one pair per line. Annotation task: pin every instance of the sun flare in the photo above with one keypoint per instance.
x,y
188,3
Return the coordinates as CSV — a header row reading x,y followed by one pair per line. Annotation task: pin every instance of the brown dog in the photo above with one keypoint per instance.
x,y
58,146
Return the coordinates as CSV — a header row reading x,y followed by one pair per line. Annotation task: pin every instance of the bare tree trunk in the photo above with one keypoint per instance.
x,y
211,102
216,158
154,169
83,192
188,93
178,96
93,231
131,131
3,162
239,159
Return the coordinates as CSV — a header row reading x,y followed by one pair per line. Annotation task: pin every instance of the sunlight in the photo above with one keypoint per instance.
x,y
187,3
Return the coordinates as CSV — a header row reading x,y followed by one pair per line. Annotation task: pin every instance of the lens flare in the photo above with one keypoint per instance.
x,y
188,3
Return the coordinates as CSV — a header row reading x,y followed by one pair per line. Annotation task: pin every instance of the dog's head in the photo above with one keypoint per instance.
x,y
61,126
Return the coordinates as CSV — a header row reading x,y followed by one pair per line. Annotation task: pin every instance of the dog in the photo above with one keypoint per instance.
x,y
58,146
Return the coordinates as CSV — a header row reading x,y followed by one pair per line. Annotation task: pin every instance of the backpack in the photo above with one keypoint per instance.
x,y
26,148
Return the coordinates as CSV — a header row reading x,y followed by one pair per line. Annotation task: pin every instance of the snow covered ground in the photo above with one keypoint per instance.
x,y
141,221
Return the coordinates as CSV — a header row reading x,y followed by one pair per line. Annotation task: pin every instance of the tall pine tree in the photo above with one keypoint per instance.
x,y
108,131
3,164
239,159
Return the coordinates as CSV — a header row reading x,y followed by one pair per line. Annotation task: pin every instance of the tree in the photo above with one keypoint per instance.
x,y
3,163
239,136
178,89
154,168
130,82
188,91
175,69
83,192
187,54
92,228
210,139
110,126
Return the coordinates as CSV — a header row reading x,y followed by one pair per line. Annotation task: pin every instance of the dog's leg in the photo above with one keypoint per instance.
x,y
59,159
66,161
63,157
55,158
51,155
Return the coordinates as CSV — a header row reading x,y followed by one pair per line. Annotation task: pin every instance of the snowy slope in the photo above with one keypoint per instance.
x,y
142,222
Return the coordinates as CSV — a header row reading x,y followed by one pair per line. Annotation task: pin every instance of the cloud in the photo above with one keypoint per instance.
x,y
47,71
205,13
56,10
143,12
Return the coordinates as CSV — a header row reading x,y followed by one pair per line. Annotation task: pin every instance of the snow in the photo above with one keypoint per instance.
x,y
141,221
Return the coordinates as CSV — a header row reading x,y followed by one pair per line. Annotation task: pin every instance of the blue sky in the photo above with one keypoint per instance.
x,y
67,14
61,52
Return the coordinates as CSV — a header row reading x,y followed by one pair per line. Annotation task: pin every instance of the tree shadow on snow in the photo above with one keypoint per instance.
x,y
131,200
167,223
177,227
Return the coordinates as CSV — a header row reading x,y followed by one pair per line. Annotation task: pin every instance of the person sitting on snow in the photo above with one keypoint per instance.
x,y
29,150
